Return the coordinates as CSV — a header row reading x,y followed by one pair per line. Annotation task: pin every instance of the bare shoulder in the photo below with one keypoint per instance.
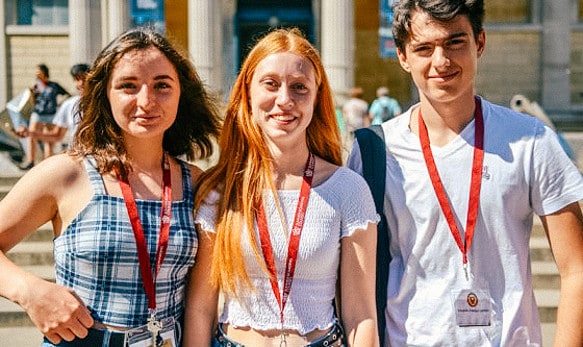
x,y
54,172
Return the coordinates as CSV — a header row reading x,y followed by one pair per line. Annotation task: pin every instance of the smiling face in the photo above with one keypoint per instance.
x,y
442,57
144,92
283,93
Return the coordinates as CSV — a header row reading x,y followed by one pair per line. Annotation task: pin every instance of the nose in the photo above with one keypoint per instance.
x,y
145,97
284,97
440,57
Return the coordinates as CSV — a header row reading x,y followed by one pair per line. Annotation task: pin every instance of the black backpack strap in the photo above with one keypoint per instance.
x,y
373,153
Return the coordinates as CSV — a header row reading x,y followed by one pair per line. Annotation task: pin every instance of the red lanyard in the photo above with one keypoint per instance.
x,y
294,240
475,185
148,278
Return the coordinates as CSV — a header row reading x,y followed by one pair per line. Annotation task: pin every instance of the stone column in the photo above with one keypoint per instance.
x,y
556,55
84,33
115,19
3,60
204,41
337,49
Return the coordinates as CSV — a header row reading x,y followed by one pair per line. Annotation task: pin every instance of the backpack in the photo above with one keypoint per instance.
x,y
371,141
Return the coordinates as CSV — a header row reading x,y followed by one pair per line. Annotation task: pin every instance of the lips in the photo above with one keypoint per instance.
x,y
444,76
144,119
283,118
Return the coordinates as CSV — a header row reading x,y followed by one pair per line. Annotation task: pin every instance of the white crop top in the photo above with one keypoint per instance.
x,y
336,208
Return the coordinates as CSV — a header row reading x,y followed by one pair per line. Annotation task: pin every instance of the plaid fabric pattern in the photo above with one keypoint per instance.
x,y
97,257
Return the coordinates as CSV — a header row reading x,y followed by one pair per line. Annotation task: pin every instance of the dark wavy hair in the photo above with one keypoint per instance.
x,y
197,119
441,10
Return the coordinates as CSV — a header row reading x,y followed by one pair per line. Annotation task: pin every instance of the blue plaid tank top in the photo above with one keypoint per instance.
x,y
96,255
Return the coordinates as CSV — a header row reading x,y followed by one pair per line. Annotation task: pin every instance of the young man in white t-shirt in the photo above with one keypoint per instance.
x,y
464,179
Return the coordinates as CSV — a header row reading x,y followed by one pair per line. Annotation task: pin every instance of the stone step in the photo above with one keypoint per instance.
x,y
540,250
548,330
547,301
12,315
4,189
28,336
32,253
10,180
545,275
43,234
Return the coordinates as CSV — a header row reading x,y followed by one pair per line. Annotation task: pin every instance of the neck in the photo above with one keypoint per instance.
x,y
444,121
145,157
288,167
290,164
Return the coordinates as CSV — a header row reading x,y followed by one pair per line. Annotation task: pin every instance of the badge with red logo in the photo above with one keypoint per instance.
x,y
472,307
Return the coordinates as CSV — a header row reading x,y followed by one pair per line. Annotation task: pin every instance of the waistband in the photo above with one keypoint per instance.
x,y
334,338
94,338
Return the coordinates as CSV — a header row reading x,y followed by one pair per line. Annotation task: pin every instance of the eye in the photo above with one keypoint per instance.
x,y
270,84
424,50
456,43
299,88
162,85
127,87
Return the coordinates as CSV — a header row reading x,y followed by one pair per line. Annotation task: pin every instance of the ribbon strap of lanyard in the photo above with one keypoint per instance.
x,y
475,184
149,278
294,240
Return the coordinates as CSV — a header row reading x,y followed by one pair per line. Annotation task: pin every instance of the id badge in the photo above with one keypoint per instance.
x,y
473,307
144,336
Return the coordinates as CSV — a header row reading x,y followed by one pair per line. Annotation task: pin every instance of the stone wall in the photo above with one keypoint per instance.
x,y
26,52
510,65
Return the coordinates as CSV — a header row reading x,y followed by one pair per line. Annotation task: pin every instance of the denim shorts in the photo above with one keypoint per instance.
x,y
95,338
334,338
41,118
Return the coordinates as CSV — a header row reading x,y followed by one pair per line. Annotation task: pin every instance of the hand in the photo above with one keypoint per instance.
x,y
57,312
22,131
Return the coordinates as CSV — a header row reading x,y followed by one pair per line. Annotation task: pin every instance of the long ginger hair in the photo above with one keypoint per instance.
x,y
244,167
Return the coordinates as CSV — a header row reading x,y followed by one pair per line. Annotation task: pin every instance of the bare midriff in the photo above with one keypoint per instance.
x,y
251,337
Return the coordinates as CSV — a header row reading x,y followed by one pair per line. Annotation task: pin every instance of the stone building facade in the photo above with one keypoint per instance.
x,y
534,47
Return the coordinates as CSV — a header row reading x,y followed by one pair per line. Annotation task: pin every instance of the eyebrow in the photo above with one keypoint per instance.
x,y
456,35
163,77
413,42
156,78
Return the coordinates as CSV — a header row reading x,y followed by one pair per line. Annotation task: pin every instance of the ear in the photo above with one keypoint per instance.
x,y
403,60
481,43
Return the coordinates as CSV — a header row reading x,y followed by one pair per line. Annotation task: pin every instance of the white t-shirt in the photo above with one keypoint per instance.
x,y
355,113
525,171
66,117
336,208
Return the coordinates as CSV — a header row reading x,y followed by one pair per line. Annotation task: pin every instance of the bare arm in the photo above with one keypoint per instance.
x,y
33,201
200,316
357,282
565,232
54,134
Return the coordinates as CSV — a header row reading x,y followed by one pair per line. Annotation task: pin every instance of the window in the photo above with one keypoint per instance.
x,y
37,12
148,13
504,11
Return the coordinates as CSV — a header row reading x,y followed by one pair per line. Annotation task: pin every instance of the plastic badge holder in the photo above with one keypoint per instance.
x,y
142,337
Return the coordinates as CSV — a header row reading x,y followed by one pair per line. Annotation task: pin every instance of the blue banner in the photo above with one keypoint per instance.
x,y
387,48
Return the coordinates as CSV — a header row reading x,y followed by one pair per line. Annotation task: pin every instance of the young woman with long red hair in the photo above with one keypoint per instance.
x,y
285,231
